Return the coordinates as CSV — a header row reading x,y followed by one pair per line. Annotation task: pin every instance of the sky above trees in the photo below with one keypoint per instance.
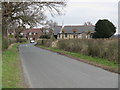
x,y
80,11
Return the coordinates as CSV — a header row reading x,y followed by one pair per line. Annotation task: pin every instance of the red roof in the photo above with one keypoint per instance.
x,y
32,30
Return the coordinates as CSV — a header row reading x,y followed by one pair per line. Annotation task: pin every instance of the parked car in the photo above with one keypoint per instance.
x,y
32,41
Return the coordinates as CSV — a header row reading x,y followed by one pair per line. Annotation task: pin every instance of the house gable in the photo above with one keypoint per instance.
x,y
34,33
57,29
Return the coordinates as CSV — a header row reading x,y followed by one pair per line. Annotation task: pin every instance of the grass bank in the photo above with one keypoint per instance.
x,y
103,63
11,68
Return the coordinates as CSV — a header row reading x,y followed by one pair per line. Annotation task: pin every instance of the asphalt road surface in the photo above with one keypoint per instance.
x,y
45,69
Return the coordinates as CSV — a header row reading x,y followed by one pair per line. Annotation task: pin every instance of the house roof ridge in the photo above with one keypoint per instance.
x,y
77,25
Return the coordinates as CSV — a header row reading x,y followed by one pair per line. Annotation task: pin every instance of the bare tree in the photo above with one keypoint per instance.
x,y
49,26
28,13
87,23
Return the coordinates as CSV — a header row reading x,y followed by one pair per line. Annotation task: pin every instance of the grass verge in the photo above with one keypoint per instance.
x,y
99,62
11,68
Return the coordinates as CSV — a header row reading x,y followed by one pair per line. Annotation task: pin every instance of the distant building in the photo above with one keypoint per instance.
x,y
57,30
32,34
70,32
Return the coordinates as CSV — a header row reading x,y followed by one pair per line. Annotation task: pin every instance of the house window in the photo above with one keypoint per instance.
x,y
66,35
80,36
30,33
34,33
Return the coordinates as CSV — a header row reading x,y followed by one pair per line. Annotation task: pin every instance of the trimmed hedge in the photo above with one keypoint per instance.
x,y
102,48
45,36
8,41
45,42
21,40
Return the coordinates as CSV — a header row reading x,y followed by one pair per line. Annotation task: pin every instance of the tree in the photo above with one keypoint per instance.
x,y
104,29
27,13
87,23
50,25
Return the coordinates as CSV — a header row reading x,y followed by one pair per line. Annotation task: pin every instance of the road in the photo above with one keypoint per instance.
x,y
45,69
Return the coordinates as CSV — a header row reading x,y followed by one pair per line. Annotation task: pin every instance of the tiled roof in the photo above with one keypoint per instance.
x,y
57,29
32,30
79,29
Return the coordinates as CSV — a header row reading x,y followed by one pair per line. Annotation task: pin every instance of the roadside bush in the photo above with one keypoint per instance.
x,y
73,45
45,36
5,43
10,36
94,47
103,48
11,41
45,42
21,40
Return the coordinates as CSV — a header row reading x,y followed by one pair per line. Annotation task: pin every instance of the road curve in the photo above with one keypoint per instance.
x,y
45,69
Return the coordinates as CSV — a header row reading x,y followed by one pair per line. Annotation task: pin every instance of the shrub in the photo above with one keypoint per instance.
x,y
5,43
11,41
45,36
103,48
21,40
10,36
104,29
45,42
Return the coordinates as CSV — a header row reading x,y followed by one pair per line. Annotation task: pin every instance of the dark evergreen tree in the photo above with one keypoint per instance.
x,y
104,29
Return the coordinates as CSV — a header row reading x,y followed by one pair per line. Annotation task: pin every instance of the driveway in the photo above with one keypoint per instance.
x,y
45,69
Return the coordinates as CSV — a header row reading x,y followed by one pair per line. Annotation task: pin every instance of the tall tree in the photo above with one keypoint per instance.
x,y
104,29
27,13
51,25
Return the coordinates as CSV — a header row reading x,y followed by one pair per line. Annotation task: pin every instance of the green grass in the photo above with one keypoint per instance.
x,y
100,61
11,70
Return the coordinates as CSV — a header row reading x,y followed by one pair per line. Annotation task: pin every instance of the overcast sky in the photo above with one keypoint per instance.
x,y
79,11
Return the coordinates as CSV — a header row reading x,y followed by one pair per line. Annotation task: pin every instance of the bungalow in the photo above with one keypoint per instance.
x,y
70,32
31,34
